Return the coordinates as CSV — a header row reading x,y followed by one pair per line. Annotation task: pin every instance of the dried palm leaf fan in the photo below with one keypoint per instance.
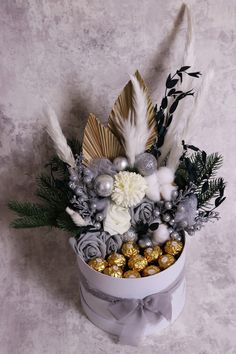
x,y
99,141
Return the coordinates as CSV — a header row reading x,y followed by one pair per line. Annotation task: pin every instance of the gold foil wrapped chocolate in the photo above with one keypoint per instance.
x,y
131,274
150,270
98,264
166,260
173,247
129,249
117,259
137,262
152,253
113,271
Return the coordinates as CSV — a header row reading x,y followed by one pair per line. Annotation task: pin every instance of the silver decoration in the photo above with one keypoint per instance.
x,y
79,191
144,242
102,166
120,163
168,205
101,204
88,179
99,217
103,185
97,225
186,211
156,212
175,236
172,221
72,185
174,194
88,173
146,164
93,206
166,217
130,235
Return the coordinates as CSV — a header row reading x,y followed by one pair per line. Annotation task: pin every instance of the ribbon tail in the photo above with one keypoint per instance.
x,y
133,328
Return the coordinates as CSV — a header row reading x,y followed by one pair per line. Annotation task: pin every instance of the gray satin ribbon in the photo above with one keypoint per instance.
x,y
134,314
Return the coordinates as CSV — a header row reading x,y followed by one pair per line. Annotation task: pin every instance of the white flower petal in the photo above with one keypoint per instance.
x,y
117,220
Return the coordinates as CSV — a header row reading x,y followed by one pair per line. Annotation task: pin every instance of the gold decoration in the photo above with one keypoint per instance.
x,y
121,109
99,141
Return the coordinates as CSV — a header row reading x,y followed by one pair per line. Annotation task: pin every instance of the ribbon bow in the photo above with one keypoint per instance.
x,y
135,313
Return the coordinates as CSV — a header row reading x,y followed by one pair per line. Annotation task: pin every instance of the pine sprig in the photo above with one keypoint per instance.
x,y
213,191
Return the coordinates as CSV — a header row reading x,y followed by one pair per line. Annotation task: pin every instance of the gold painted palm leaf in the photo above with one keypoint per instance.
x,y
99,141
124,104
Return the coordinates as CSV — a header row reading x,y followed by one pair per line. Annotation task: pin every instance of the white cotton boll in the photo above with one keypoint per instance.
x,y
161,234
166,191
165,175
153,188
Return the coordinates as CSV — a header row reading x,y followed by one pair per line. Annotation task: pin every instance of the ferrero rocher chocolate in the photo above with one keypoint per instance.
x,y
152,253
129,249
173,247
98,264
116,259
131,274
113,271
150,270
166,260
137,262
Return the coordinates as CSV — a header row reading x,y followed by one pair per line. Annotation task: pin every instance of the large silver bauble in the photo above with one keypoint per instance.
x,y
145,242
120,163
130,235
146,164
103,185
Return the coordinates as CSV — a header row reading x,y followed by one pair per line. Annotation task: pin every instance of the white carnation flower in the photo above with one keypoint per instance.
x,y
129,189
117,220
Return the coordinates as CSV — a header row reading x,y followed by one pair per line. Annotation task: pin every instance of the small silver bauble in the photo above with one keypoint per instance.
x,y
183,224
88,173
166,217
103,185
72,185
120,163
99,217
146,164
78,191
172,221
101,204
93,206
181,208
97,225
156,212
174,194
175,236
87,179
130,235
73,178
168,205
144,242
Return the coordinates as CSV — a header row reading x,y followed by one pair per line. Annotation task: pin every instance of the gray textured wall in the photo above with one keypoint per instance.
x,y
77,55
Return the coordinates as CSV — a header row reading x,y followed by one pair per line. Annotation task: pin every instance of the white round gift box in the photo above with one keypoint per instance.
x,y
96,309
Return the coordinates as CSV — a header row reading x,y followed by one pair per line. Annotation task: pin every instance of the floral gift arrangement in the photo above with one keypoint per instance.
x,y
129,195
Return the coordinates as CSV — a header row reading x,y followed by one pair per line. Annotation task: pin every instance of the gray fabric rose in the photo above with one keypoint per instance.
x,y
113,242
143,213
89,246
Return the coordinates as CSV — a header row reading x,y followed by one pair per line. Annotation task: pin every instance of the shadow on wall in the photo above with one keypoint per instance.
x,y
43,255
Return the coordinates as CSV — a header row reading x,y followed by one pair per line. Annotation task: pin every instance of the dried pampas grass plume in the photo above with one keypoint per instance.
x,y
54,131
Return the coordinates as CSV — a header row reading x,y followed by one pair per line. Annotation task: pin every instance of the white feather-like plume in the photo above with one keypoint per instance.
x,y
54,130
135,129
180,117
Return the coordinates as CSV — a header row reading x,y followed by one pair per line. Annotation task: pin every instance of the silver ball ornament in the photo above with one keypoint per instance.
x,y
97,225
103,185
93,206
99,217
130,235
172,221
144,242
79,191
166,217
174,194
168,205
175,236
120,163
156,212
73,178
146,164
87,179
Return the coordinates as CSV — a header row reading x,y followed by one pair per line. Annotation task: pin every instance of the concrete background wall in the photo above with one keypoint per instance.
x,y
77,55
